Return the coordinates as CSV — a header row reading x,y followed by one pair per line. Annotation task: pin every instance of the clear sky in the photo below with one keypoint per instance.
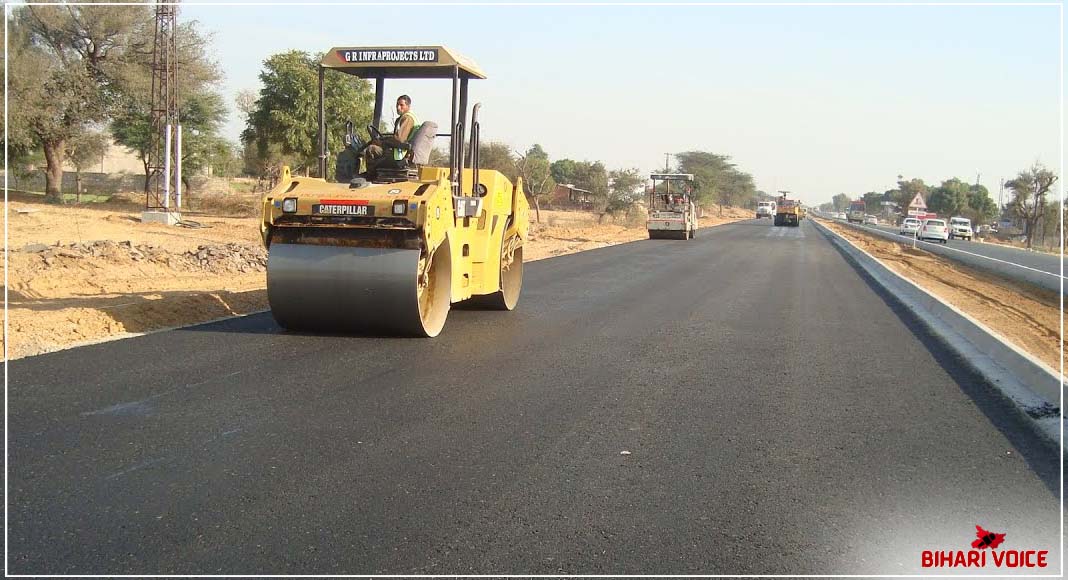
x,y
814,99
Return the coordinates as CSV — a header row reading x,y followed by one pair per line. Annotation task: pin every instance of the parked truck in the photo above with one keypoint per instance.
x,y
857,211
765,209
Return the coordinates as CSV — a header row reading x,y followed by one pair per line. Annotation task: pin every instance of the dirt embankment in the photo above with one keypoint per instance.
x,y
80,273
1024,314
89,272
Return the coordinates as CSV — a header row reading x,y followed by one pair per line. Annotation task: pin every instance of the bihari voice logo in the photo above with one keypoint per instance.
x,y
986,542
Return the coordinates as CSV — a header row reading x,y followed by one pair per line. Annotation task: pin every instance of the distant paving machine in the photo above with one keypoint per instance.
x,y
391,249
672,213
787,212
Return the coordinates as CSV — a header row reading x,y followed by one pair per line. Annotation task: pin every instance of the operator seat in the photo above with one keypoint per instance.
x,y
418,146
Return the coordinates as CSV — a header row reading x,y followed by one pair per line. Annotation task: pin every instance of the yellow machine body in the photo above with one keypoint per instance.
x,y
391,249
479,249
475,243
788,212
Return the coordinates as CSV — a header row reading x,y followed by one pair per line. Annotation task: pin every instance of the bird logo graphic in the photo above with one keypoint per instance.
x,y
987,539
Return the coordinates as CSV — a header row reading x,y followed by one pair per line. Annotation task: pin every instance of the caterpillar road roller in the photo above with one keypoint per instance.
x,y
787,212
388,247
672,214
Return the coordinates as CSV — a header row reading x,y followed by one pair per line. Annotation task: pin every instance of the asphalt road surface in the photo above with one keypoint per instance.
x,y
1035,267
780,414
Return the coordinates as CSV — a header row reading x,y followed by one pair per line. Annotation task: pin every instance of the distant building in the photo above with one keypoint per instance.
x,y
115,159
567,195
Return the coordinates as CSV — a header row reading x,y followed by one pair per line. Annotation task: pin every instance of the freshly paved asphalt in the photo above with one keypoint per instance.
x,y
1038,268
781,414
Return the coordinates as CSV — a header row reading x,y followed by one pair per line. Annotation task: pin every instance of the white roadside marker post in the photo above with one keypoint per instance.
x,y
178,170
167,167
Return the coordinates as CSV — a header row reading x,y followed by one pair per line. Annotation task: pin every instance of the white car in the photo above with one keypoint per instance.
x,y
909,227
960,228
936,230
840,215
871,220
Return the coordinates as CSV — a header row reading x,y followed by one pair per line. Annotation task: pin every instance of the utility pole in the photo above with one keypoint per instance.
x,y
165,152
667,163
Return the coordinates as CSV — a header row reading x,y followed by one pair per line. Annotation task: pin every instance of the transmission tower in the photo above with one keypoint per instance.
x,y
165,163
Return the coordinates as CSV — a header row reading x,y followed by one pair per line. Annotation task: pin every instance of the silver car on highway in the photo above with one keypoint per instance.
x,y
909,227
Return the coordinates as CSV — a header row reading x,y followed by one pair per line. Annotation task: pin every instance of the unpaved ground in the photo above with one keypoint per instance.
x,y
1027,315
89,272
79,273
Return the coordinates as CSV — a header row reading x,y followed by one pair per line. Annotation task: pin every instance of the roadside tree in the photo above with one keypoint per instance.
x,y
65,65
1030,189
981,206
535,169
840,202
950,198
82,151
563,170
906,191
593,177
498,156
716,178
282,125
201,108
627,187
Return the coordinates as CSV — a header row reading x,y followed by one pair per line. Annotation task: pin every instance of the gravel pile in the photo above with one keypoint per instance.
x,y
217,258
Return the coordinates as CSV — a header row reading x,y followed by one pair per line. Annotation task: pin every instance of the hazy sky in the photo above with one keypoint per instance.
x,y
814,99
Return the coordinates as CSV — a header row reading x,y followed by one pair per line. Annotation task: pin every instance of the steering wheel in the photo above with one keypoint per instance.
x,y
358,145
375,134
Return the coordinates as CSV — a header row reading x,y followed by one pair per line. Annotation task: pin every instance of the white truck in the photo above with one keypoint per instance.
x,y
672,212
765,209
960,227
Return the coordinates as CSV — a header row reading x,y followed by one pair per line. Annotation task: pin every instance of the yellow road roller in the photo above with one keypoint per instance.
x,y
388,247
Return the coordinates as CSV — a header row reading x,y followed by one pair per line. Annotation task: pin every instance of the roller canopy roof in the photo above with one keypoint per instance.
x,y
400,62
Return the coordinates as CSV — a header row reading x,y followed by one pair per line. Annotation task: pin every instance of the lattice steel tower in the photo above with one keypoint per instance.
x,y
164,165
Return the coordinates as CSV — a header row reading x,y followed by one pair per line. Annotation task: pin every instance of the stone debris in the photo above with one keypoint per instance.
x,y
215,258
